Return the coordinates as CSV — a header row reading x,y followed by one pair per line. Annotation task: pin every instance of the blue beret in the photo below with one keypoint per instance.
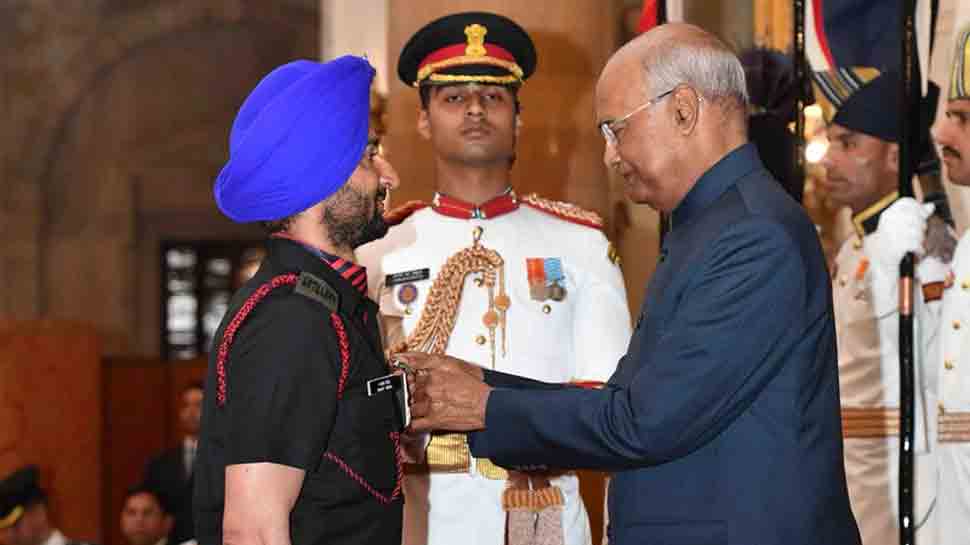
x,y
296,139
873,109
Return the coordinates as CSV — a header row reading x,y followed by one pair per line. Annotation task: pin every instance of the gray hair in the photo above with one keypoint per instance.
x,y
710,68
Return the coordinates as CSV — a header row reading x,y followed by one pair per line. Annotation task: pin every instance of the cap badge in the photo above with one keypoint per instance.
x,y
476,40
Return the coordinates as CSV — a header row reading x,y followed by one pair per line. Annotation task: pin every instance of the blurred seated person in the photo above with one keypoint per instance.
x,y
171,472
146,518
24,517
772,89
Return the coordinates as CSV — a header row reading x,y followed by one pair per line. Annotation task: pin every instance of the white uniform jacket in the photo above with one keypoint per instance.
x,y
579,338
950,370
867,331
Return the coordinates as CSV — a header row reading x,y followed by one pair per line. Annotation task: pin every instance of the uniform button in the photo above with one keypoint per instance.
x,y
480,339
956,324
857,244
546,309
948,364
940,407
407,310
965,285
843,280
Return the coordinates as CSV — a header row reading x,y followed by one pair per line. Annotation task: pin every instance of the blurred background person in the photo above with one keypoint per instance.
x,y
146,518
171,472
772,90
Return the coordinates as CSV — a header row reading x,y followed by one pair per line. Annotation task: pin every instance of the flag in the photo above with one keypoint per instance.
x,y
656,12
841,34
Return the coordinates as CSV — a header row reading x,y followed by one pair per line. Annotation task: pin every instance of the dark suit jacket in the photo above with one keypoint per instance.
x,y
166,473
722,420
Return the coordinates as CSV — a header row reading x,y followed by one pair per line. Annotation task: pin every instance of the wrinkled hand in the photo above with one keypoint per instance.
x,y
902,228
448,394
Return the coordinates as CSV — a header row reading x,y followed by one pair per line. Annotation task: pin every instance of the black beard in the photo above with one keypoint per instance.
x,y
347,221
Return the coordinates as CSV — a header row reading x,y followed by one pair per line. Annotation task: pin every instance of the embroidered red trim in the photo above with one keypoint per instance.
x,y
457,208
344,344
582,217
382,498
458,50
237,320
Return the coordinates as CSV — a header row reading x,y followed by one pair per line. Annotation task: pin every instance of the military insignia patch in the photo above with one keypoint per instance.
x,y
407,294
317,289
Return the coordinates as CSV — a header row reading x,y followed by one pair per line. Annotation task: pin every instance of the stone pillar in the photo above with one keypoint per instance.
x,y
773,24
357,28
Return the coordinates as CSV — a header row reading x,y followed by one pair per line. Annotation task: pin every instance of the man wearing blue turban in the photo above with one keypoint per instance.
x,y
292,449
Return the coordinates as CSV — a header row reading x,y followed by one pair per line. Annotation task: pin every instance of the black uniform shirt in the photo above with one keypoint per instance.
x,y
281,407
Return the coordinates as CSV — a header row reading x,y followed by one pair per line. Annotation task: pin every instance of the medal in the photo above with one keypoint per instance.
x,y
407,294
536,271
546,278
555,279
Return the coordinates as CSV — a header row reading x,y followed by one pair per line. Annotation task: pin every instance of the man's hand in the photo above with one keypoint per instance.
x,y
421,360
448,393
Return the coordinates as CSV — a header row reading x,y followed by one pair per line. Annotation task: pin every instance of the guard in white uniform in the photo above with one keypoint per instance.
x,y
514,283
947,349
862,174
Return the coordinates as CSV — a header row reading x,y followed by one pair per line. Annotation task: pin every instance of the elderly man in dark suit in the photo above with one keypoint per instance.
x,y
721,422
171,472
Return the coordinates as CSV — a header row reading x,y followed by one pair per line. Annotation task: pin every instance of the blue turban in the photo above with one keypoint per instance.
x,y
296,139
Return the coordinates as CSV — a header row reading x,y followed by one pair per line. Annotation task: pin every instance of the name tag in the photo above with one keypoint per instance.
x,y
407,276
396,385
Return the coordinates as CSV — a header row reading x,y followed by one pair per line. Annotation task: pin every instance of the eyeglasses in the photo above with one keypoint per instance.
x,y
609,128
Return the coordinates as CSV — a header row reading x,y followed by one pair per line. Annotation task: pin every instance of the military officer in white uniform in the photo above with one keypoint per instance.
x,y
947,349
862,174
515,283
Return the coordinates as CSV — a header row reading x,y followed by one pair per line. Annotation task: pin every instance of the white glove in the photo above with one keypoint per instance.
x,y
901,230
931,269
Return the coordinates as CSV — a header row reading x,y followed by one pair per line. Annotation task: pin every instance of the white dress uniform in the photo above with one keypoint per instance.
x,y
579,338
952,370
867,333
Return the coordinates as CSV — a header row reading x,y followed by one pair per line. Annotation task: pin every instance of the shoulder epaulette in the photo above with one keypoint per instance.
x,y
397,215
564,210
317,289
